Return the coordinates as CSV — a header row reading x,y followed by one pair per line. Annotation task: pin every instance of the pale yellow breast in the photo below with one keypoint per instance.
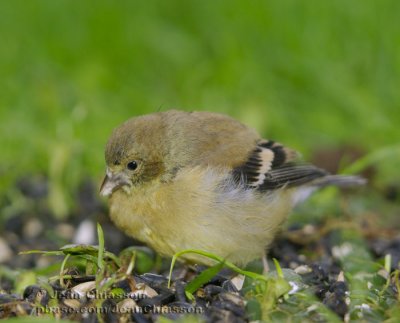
x,y
195,211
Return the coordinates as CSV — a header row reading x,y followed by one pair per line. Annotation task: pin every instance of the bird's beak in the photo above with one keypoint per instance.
x,y
111,183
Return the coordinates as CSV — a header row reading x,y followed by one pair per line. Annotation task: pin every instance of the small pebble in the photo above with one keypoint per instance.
x,y
65,231
238,282
341,277
32,228
342,251
309,229
83,289
44,261
302,270
72,303
85,234
5,251
127,304
145,290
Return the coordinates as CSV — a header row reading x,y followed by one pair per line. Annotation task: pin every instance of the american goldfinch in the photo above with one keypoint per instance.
x,y
198,180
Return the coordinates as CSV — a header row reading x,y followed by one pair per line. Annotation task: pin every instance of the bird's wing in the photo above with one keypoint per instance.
x,y
271,166
215,140
257,163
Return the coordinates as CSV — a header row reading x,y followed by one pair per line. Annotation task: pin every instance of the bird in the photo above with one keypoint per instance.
x,y
178,180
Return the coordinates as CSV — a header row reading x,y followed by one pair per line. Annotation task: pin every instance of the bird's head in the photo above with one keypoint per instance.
x,y
133,155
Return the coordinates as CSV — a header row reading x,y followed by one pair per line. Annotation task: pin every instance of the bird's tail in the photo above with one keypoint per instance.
x,y
339,180
303,192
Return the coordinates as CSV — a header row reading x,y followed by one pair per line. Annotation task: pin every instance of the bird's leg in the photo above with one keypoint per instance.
x,y
181,273
265,264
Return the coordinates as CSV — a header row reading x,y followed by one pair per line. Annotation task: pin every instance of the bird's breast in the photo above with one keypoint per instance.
x,y
200,209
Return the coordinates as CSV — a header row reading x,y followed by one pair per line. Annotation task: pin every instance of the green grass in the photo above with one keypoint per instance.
x,y
310,74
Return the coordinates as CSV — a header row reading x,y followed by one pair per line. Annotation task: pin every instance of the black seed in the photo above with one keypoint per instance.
x,y
212,290
110,313
180,295
158,300
182,306
31,292
157,282
139,318
83,279
229,287
228,306
126,285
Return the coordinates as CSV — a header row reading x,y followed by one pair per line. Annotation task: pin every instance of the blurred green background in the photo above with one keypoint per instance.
x,y
310,74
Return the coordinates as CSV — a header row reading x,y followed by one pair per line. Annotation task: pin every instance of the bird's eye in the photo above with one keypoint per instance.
x,y
132,165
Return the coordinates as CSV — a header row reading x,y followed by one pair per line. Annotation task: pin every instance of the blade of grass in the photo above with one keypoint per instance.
x,y
387,266
90,258
131,264
100,260
100,236
74,249
43,252
281,282
397,283
204,277
388,263
217,259
278,268
62,270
